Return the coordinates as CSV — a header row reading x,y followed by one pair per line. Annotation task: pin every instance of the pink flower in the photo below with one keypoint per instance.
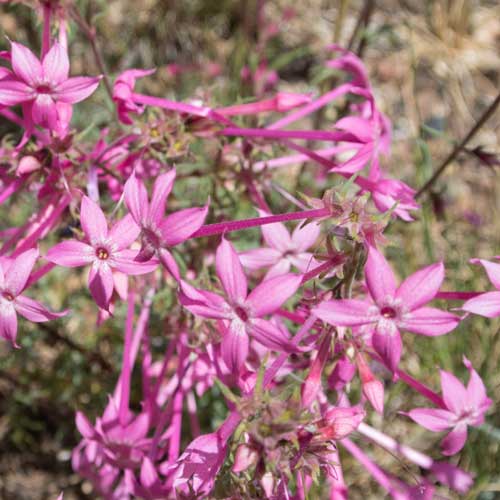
x,y
241,313
391,307
105,252
338,422
44,86
14,274
159,232
283,251
464,406
487,304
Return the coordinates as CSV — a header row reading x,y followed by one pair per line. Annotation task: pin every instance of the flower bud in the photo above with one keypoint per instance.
x,y
245,457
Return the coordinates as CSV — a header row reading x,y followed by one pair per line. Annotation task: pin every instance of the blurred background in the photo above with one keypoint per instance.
x,y
434,67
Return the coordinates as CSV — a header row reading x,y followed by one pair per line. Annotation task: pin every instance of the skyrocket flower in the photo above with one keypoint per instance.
x,y
106,250
44,87
241,314
487,304
284,251
392,308
14,274
157,231
464,406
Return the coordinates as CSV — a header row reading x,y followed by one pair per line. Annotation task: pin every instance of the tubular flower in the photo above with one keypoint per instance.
x,y
241,313
392,308
106,251
44,87
14,274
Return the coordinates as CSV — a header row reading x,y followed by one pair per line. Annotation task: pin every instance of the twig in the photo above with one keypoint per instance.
x,y
484,118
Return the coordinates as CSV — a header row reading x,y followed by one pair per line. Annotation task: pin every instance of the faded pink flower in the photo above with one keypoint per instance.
x,y
106,251
44,87
14,274
391,307
241,313
283,251
464,406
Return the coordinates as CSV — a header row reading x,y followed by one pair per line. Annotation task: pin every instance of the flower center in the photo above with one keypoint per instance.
x,y
43,89
8,296
242,314
102,253
388,312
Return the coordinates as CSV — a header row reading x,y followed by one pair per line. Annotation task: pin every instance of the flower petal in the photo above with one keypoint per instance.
x,y
434,419
430,321
379,277
76,89
493,271
454,393
26,65
259,257
8,322
346,312
203,303
421,287
476,394
276,235
487,304
19,271
162,187
455,440
279,269
136,198
271,336
230,272
71,253
34,310
234,348
44,111
101,285
304,236
13,92
124,232
124,261
55,65
93,221
388,344
180,225
272,293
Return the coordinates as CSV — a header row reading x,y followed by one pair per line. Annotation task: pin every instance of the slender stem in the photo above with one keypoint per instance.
x,y
47,11
459,147
421,388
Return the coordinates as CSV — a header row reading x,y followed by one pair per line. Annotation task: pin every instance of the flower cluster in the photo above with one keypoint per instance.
x,y
296,335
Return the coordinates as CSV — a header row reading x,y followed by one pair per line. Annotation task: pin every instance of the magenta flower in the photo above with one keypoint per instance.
x,y
159,232
283,250
241,313
44,86
464,406
14,274
105,252
487,304
391,307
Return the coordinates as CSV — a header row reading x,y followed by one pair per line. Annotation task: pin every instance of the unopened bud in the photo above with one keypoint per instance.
x,y
245,457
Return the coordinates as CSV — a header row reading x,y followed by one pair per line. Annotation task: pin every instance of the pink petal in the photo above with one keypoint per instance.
x,y
379,277
8,322
93,221
487,304
75,89
101,285
454,393
434,419
34,310
304,236
167,259
124,262
148,474
71,253
13,92
357,126
55,65
493,271
230,272
124,232
44,111
259,257
476,394
138,428
179,226
276,235
272,293
430,321
136,198
270,335
19,271
279,269
203,303
304,262
421,287
455,440
346,312
388,344
84,426
234,348
26,65
162,187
